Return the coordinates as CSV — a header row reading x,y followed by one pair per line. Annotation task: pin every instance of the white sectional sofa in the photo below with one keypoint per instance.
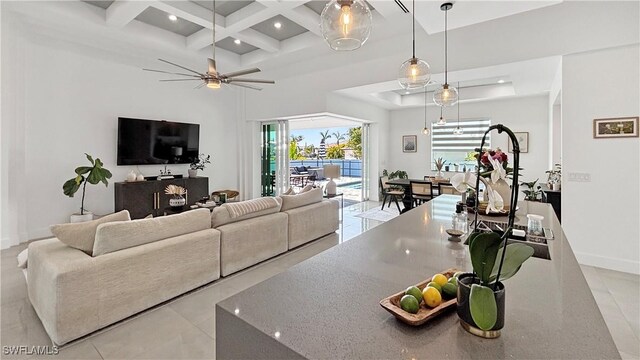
x,y
137,264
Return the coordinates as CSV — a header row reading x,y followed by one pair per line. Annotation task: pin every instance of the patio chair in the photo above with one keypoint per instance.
x,y
421,191
389,193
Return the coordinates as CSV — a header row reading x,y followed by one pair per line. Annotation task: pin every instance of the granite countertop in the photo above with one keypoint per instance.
x,y
328,306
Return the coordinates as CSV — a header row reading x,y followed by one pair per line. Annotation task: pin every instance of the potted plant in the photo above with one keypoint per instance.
x,y
494,166
456,167
93,174
177,200
481,294
198,164
532,193
555,177
439,163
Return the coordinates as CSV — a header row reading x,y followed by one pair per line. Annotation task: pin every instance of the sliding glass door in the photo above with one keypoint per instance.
x,y
274,158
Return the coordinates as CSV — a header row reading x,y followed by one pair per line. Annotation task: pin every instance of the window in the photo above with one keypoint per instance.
x,y
454,148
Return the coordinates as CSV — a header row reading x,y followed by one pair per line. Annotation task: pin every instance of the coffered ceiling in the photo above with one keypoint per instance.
x,y
247,29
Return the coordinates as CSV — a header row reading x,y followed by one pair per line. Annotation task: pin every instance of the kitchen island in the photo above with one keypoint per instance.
x,y
327,307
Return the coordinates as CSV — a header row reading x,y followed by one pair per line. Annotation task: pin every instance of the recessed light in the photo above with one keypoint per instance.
x,y
237,41
173,17
407,92
500,81
277,25
277,334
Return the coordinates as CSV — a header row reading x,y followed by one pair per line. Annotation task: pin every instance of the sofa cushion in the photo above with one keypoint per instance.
x,y
81,236
117,236
302,199
220,215
325,221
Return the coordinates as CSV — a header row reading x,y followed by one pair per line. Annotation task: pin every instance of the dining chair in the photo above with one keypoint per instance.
x,y
447,188
421,191
389,193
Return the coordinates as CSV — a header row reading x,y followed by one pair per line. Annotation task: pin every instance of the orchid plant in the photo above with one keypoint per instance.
x,y
464,181
494,165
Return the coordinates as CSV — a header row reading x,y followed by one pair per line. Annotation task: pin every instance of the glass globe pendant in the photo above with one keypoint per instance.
x,y
447,95
414,73
346,24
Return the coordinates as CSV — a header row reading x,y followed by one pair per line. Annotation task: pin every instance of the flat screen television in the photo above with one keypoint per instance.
x,y
149,142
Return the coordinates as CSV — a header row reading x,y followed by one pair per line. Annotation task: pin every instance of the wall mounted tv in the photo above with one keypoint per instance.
x,y
152,142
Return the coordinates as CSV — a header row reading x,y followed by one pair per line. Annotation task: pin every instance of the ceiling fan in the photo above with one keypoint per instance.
x,y
212,78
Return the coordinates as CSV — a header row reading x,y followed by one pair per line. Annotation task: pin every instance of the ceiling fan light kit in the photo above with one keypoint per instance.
x,y
414,73
446,95
346,24
212,79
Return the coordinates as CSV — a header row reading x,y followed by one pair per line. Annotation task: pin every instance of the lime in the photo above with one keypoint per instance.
x,y
431,296
449,291
409,304
439,279
434,284
453,280
413,290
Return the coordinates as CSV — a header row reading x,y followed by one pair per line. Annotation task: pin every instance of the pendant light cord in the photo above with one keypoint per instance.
x,y
458,104
446,42
425,107
213,20
413,14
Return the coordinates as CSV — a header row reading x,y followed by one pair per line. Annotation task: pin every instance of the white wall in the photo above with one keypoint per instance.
x,y
61,100
601,217
519,114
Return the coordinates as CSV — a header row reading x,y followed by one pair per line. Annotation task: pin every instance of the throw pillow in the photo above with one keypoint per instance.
x,y
22,259
294,201
82,235
305,189
289,191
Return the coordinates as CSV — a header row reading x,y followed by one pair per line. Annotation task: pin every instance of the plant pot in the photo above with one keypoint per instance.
x,y
76,218
464,312
177,201
193,173
446,168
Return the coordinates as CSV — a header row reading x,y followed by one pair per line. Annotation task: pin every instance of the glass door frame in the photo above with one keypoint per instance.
x,y
281,157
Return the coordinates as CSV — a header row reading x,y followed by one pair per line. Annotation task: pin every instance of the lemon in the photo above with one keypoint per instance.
x,y
413,290
431,296
449,291
409,304
435,285
439,279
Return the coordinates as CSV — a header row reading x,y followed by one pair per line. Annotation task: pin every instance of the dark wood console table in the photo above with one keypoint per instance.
x,y
143,198
552,197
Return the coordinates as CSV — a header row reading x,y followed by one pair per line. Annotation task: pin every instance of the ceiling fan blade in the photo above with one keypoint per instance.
x,y
212,66
258,81
199,86
247,86
241,72
181,67
166,72
181,80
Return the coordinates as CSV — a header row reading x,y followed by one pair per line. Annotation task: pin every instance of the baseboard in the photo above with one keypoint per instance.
x,y
628,266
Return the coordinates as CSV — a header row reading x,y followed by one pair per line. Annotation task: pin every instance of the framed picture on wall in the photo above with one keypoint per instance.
x,y
523,141
409,143
615,127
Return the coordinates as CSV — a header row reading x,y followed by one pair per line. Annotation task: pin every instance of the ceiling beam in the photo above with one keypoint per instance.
x,y
191,12
122,12
258,39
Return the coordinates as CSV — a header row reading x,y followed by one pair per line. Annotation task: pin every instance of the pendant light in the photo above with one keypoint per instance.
x,y
446,95
425,130
346,24
458,130
414,73
442,120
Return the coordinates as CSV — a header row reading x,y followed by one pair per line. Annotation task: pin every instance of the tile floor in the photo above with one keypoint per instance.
x,y
185,327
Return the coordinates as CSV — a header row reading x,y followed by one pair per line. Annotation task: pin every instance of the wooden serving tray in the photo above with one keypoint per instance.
x,y
425,313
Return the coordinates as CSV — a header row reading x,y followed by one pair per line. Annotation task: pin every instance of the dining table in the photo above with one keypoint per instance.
x,y
406,186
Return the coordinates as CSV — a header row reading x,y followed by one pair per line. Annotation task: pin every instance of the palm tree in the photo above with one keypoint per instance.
x,y
339,137
322,151
297,138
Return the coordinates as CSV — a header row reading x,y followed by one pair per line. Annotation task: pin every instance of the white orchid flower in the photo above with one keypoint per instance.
x,y
498,171
496,203
463,181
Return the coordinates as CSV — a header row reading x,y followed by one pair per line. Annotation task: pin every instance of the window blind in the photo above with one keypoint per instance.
x,y
443,140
